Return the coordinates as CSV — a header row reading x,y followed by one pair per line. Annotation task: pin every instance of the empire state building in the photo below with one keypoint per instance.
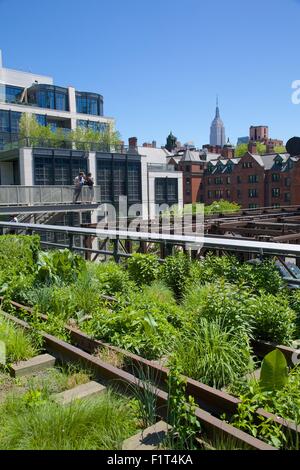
x,y
217,129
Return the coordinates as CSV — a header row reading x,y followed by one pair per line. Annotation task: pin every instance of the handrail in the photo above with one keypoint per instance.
x,y
208,242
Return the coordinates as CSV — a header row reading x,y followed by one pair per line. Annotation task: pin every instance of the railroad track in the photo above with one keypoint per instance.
x,y
212,402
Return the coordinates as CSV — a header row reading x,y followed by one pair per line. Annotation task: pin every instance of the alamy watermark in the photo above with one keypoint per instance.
x,y
168,223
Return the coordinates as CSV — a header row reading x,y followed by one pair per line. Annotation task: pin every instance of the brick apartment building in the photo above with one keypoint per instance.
x,y
253,180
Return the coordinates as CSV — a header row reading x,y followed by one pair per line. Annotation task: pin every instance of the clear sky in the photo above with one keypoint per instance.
x,y
160,63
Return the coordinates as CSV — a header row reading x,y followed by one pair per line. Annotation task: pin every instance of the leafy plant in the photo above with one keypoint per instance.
x,y
143,268
227,302
274,371
273,319
176,273
181,413
54,267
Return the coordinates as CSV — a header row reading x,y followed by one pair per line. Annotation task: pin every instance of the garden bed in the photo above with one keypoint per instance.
x,y
208,319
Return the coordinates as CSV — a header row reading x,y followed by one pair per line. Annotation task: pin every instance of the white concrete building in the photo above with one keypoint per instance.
x,y
140,173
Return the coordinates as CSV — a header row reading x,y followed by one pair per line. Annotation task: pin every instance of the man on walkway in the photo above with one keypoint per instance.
x,y
78,184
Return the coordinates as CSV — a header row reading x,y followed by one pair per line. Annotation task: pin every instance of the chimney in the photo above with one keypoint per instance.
x,y
132,142
270,147
252,148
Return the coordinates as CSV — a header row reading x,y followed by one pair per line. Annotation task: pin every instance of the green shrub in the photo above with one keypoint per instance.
x,y
227,302
111,278
273,319
213,267
213,354
294,301
261,276
95,424
54,267
18,254
140,326
143,268
176,273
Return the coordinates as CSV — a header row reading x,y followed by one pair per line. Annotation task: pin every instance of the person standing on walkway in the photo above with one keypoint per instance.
x,y
78,184
89,181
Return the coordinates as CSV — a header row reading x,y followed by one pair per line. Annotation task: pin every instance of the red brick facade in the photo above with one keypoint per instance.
x,y
253,181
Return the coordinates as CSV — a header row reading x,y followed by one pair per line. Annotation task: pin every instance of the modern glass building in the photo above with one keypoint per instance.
x,y
59,107
138,173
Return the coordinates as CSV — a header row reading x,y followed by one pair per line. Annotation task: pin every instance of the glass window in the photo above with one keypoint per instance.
x,y
61,101
119,175
62,171
252,192
160,190
13,94
252,179
172,190
275,176
104,179
134,182
275,192
4,121
43,171
41,119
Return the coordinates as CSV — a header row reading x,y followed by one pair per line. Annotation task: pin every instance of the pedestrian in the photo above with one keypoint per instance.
x,y
78,184
89,181
14,219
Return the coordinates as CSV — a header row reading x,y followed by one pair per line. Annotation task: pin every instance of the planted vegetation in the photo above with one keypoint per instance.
x,y
200,317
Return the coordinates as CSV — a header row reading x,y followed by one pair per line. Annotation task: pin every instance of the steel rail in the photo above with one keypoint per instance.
x,y
208,398
124,380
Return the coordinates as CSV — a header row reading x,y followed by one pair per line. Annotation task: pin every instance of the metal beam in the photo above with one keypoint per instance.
x,y
219,243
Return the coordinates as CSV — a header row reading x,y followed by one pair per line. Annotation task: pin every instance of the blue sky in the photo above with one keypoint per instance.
x,y
160,63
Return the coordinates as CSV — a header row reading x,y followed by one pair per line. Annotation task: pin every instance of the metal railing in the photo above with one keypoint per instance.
x,y
66,143
40,195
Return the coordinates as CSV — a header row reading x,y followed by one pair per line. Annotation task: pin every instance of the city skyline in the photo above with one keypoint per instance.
x,y
163,82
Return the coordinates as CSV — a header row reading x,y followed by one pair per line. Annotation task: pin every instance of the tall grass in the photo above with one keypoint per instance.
x,y
213,354
18,345
99,423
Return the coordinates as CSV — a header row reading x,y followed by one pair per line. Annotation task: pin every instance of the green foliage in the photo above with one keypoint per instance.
x,y
255,277
241,150
212,268
95,424
247,420
143,268
221,207
18,254
111,278
273,319
181,413
54,267
176,272
140,325
213,354
85,139
260,276
227,302
274,371
18,345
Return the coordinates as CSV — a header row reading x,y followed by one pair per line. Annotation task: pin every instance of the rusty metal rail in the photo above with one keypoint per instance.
x,y
210,399
211,425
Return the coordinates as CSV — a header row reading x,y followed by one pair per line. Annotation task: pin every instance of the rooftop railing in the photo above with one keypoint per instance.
x,y
67,144
43,195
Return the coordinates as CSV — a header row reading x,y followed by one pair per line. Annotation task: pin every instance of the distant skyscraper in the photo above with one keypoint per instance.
x,y
217,129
